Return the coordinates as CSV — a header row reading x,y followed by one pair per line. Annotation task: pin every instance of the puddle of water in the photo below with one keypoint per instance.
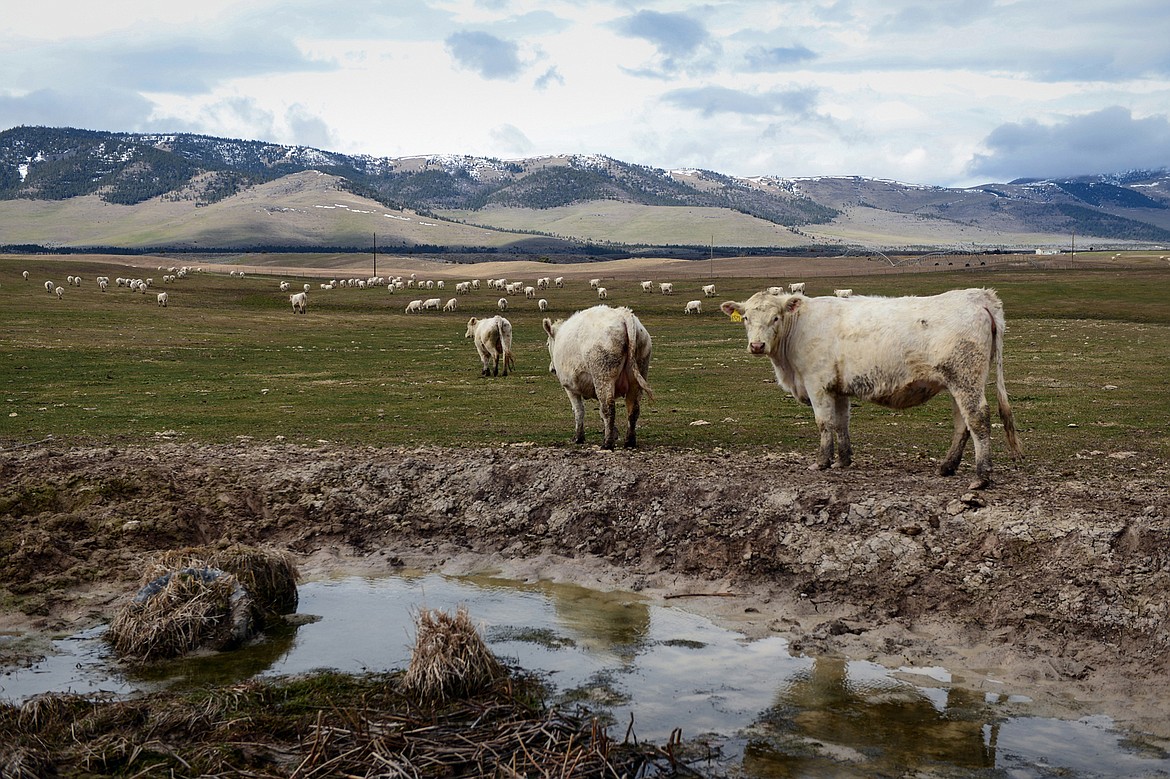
x,y
771,714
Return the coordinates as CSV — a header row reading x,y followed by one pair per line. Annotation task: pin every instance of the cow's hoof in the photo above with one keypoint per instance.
x,y
818,466
980,483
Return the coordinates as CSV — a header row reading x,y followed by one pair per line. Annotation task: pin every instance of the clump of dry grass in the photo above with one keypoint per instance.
x,y
269,575
204,597
450,659
181,611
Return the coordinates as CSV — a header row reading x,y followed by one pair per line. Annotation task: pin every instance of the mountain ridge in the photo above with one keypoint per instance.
x,y
151,170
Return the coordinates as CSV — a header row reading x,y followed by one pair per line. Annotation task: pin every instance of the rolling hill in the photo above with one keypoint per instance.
x,y
62,187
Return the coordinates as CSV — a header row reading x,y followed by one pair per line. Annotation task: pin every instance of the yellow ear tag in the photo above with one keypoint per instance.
x,y
735,316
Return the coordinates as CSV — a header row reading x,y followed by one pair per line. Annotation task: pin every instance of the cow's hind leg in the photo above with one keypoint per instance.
x,y
973,406
606,401
950,463
633,411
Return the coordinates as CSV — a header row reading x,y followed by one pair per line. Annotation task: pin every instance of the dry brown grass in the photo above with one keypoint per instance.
x,y
181,611
269,575
450,659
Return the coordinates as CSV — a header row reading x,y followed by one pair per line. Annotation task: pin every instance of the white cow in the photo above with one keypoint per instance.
x,y
530,293
796,287
694,307
898,352
284,286
162,299
451,305
59,292
299,300
647,286
502,304
843,293
594,283
709,291
602,293
49,286
24,274
414,307
667,288
542,304
601,353
493,341
559,282
432,304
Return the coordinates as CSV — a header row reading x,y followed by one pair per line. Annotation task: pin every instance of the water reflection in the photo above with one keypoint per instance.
x,y
768,713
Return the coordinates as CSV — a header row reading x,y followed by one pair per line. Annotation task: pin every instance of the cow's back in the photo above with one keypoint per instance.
x,y
873,347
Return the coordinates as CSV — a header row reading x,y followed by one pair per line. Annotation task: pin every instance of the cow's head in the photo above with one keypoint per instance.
x,y
551,328
471,323
766,317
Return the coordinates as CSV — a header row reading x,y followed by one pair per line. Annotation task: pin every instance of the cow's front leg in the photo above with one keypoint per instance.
x,y
578,404
823,414
841,431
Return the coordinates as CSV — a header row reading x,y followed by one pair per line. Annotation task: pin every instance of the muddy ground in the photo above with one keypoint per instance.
x,y
1053,582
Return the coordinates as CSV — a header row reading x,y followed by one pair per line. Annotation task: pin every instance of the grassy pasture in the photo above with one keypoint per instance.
x,y
1087,364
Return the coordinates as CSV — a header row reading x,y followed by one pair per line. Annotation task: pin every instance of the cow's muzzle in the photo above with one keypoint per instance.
x,y
756,347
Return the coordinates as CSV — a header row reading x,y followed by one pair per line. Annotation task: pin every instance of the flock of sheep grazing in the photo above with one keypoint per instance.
x,y
134,285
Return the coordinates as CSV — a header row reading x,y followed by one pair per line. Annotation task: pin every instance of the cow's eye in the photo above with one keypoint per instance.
x,y
775,319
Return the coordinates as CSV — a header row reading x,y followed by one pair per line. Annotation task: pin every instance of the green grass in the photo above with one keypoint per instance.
x,y
228,358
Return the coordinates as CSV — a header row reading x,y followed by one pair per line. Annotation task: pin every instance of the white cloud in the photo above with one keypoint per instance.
x,y
952,92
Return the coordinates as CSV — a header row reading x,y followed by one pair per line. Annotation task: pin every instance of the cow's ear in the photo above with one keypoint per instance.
x,y
548,325
793,303
730,307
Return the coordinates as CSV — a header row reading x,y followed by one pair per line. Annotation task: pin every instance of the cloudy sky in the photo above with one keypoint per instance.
x,y
946,92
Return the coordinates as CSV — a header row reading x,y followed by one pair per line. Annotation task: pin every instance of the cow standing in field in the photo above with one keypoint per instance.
x,y
493,341
300,302
897,352
601,353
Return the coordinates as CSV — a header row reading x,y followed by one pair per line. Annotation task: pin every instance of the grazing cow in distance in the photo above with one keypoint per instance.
x,y
451,305
502,304
542,304
49,286
647,286
843,293
897,352
299,300
796,287
693,307
602,293
559,282
601,353
493,341
709,291
667,288
432,304
594,283
414,307
162,298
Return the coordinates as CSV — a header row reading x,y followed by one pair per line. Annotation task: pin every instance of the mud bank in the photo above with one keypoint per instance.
x,y
1053,581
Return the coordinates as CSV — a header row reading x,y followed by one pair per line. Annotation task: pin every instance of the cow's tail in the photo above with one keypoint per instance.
x,y
505,344
631,357
1001,397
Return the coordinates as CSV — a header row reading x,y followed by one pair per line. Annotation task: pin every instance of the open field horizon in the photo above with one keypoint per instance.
x,y
1087,358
